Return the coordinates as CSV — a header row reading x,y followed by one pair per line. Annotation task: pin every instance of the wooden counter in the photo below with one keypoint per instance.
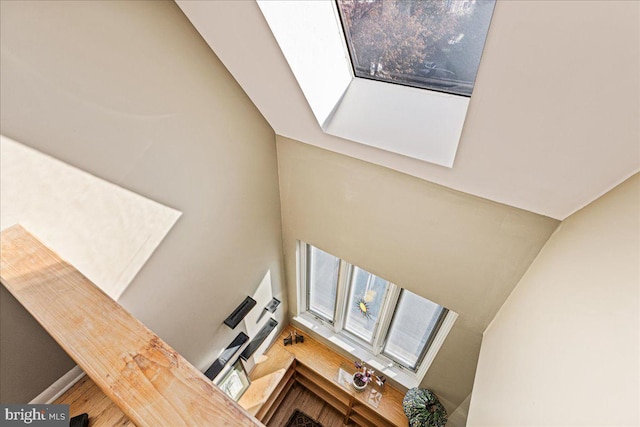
x,y
315,366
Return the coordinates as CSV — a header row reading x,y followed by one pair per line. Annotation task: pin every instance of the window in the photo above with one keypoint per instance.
x,y
322,274
366,295
430,44
415,322
391,324
366,110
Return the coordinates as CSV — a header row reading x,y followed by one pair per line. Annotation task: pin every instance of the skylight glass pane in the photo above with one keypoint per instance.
x,y
322,282
414,323
366,296
430,44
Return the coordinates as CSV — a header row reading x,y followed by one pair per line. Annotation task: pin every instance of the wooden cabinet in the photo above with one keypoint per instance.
x,y
325,389
363,415
351,403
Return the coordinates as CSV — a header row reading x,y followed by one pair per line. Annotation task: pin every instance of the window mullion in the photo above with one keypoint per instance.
x,y
303,278
386,315
344,272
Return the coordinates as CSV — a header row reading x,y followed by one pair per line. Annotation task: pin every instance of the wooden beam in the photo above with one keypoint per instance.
x,y
148,380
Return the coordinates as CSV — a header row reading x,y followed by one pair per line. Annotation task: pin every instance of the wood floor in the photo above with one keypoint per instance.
x,y
301,398
86,396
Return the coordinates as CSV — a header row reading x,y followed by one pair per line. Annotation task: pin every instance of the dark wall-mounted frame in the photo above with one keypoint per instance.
x,y
273,305
238,314
226,355
258,339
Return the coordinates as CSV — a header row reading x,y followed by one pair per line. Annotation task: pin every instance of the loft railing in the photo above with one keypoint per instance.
x,y
152,383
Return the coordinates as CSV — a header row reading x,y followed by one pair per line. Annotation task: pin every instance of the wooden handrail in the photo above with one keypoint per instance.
x,y
148,380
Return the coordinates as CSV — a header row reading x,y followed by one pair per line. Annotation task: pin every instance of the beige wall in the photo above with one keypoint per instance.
x,y
23,374
563,350
458,250
129,92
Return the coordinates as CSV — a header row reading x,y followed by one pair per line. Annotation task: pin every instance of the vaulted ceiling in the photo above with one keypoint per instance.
x,y
553,120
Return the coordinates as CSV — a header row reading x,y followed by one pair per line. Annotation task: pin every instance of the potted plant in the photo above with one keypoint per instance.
x,y
362,376
423,409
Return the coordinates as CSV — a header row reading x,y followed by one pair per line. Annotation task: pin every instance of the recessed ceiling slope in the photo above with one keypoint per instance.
x,y
553,121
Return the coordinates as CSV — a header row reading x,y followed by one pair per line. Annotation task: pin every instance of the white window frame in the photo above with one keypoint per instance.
x,y
372,353
423,353
304,267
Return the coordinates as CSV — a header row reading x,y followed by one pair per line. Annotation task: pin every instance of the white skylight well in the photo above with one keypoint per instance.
x,y
421,123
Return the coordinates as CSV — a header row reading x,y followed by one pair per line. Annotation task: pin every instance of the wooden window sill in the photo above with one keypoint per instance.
x,y
315,367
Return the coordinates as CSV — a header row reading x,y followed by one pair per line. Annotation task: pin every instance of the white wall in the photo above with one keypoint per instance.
x,y
563,350
129,92
103,230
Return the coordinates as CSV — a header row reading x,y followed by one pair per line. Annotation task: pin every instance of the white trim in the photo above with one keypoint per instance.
x,y
443,331
59,387
301,277
388,310
344,275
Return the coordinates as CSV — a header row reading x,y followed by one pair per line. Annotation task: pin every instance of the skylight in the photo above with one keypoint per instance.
x,y
427,44
411,121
